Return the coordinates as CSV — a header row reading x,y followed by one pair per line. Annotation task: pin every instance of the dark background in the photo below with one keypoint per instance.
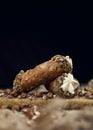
x,y
28,40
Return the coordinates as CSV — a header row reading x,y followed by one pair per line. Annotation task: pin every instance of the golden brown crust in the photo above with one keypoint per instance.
x,y
74,103
42,74
54,86
21,102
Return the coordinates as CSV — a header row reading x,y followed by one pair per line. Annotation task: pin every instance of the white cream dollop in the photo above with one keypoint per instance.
x,y
68,84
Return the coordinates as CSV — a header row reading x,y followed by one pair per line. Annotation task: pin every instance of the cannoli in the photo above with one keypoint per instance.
x,y
64,86
43,73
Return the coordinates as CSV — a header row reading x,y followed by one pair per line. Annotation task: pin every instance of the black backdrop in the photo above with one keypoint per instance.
x,y
28,40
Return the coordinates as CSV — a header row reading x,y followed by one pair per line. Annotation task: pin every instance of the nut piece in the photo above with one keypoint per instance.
x,y
43,73
65,85
89,89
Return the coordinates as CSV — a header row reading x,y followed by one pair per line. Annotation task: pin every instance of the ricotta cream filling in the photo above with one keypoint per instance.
x,y
68,84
